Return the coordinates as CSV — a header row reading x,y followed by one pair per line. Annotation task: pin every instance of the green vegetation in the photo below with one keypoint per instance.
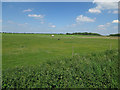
x,y
34,49
94,71
114,35
40,60
84,33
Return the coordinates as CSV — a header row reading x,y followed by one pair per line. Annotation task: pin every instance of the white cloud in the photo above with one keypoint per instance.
x,y
27,10
104,5
115,21
101,27
82,18
36,16
16,23
51,25
23,24
10,22
115,12
73,25
26,23
104,27
93,10
106,0
108,24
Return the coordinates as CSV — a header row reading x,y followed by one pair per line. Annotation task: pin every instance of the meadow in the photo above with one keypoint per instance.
x,y
39,60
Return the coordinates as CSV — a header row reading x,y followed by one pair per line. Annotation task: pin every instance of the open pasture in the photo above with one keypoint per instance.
x,y
34,49
62,61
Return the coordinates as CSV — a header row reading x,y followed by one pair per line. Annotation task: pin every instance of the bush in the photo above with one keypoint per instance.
x,y
96,70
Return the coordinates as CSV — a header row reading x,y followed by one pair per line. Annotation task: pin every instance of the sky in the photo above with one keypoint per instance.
x,y
60,17
59,0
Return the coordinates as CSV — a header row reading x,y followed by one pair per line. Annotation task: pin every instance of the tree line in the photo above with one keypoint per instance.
x,y
76,33
84,33
115,34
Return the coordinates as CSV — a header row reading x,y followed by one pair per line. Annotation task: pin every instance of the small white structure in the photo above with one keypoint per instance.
x,y
52,35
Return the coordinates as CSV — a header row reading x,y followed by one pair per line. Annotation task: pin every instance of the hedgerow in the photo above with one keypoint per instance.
x,y
96,70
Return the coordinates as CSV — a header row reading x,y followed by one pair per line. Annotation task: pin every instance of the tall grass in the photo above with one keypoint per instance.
x,y
96,70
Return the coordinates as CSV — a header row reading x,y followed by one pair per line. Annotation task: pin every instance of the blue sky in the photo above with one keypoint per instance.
x,y
60,17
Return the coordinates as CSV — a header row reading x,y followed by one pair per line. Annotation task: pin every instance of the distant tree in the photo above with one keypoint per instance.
x,y
115,34
84,33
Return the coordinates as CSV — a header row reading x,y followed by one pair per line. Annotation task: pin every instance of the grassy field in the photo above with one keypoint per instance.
x,y
28,55
33,49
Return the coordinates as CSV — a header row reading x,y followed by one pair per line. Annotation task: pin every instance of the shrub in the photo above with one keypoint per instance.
x,y
96,70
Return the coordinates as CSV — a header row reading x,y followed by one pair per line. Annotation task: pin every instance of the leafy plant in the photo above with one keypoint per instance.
x,y
88,71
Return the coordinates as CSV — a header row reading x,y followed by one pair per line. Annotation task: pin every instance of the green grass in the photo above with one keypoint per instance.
x,y
42,61
35,49
81,71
